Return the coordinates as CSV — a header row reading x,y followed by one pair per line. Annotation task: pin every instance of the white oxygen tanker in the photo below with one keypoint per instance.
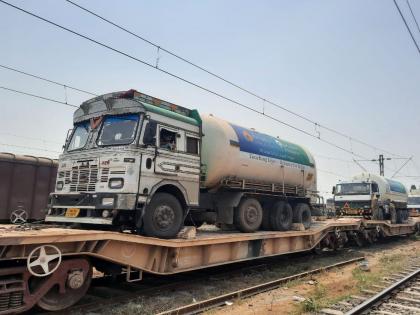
x,y
231,151
137,162
373,197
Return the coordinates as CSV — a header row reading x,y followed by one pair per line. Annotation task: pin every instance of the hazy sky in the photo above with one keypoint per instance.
x,y
349,65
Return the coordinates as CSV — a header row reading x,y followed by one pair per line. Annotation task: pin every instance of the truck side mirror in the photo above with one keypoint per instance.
x,y
69,132
149,137
333,190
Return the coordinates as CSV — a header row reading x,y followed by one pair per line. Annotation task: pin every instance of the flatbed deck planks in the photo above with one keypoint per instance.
x,y
208,248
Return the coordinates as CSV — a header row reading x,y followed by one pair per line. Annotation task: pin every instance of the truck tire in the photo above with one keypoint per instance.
x,y
248,215
378,214
302,214
400,215
163,217
406,215
266,220
281,216
393,214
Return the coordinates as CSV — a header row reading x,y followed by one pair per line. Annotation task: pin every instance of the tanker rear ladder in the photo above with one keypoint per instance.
x,y
44,262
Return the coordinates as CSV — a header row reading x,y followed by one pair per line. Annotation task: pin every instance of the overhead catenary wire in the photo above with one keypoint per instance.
x,y
37,96
26,147
47,80
29,138
406,25
331,173
183,79
174,76
414,17
91,93
264,99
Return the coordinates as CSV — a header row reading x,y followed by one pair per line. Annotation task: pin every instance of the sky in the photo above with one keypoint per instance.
x,y
347,65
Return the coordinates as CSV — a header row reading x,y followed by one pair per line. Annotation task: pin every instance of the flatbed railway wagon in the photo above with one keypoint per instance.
x,y
25,184
137,162
51,267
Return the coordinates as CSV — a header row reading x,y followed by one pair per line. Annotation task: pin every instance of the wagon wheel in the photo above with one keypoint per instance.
x,y
18,216
76,287
40,263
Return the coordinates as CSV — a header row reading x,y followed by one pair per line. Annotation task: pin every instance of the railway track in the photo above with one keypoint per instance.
x,y
398,294
106,293
199,307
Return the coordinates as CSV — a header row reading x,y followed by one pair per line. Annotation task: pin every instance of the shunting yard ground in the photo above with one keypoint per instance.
x,y
308,296
318,291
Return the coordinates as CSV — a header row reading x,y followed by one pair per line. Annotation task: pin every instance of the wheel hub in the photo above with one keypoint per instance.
x,y
251,214
164,216
75,279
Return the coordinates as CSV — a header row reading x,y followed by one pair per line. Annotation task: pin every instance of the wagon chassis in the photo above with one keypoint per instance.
x,y
134,254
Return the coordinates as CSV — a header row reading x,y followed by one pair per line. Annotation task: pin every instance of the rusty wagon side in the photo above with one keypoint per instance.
x,y
25,183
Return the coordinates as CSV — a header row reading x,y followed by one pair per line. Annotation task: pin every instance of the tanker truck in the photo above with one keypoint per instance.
x,y
372,197
135,162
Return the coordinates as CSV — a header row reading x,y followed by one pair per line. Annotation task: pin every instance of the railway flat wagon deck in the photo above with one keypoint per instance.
x,y
52,267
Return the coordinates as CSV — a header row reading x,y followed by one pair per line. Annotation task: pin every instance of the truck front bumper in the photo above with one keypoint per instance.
x,y
93,201
89,208
83,220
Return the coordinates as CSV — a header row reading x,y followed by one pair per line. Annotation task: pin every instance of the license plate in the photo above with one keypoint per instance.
x,y
72,212
352,211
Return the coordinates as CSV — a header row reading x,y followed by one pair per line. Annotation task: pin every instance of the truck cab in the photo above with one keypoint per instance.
x,y
372,197
413,203
355,197
126,151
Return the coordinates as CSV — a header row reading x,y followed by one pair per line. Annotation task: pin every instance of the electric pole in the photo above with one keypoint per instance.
x,y
381,159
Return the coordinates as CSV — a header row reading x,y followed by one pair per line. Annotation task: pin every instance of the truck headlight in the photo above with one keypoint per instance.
x,y
116,183
60,185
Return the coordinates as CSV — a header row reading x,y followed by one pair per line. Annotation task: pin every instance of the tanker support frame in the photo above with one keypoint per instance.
x,y
52,267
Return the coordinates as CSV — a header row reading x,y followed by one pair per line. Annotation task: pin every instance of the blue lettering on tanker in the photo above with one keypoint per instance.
x,y
251,141
396,186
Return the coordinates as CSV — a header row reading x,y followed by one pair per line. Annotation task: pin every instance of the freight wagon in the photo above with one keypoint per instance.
x,y
26,181
140,163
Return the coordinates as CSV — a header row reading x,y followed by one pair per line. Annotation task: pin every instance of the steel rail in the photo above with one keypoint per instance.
x,y
366,305
220,300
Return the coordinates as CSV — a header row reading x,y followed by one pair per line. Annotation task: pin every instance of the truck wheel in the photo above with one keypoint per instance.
x,y
302,214
378,214
394,214
163,217
406,215
266,219
281,216
248,215
399,216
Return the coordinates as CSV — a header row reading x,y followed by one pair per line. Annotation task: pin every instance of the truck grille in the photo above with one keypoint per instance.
x,y
104,175
84,178
65,175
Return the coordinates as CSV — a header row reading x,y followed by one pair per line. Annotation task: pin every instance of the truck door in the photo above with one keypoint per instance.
x,y
170,142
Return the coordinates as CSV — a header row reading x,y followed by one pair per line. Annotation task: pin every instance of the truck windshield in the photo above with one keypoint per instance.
x,y
413,200
353,189
118,130
79,137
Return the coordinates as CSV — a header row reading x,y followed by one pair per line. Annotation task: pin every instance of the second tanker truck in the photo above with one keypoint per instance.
x,y
372,197
136,162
